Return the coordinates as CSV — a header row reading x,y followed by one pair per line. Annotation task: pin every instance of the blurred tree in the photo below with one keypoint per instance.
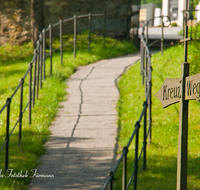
x,y
37,20
157,2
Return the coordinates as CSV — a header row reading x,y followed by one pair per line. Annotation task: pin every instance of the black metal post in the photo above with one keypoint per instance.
x,y
137,126
41,62
20,111
144,136
162,36
142,57
146,71
150,107
34,77
183,24
89,31
7,133
50,47
104,29
61,43
38,71
30,91
111,184
44,53
124,176
141,52
74,36
141,60
147,37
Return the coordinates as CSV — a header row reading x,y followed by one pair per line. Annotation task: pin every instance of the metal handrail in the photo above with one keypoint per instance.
x,y
146,104
39,73
162,30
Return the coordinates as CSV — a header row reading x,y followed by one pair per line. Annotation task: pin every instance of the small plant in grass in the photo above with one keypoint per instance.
x,y
13,65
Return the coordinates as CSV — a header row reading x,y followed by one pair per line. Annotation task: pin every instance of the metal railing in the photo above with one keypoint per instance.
x,y
145,55
37,74
194,30
146,25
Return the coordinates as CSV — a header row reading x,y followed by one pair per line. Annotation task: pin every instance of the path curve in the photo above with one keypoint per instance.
x,y
81,149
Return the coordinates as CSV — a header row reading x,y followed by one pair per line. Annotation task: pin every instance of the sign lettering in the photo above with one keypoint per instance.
x,y
170,92
193,87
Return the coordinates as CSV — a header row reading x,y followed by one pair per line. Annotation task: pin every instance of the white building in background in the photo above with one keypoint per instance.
x,y
157,21
173,9
198,13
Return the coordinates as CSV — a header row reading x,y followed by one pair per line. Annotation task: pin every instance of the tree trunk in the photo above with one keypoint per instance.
x,y
37,20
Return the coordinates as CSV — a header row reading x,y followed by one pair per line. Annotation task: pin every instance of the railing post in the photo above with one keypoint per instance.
x,y
124,169
89,31
61,43
147,33
141,51
44,52
104,29
142,57
74,36
183,24
111,184
146,71
30,91
38,70
111,181
162,38
150,104
34,76
146,61
50,47
145,136
7,133
40,39
191,29
20,111
137,126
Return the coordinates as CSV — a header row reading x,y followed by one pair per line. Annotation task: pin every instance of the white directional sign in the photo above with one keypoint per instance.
x,y
170,92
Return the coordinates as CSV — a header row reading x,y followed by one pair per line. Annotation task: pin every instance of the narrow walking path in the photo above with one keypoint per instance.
x,y
81,149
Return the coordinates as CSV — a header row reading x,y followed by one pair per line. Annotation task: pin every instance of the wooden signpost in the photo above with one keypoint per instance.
x,y
181,90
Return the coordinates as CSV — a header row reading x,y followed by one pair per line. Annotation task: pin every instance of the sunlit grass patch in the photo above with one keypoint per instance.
x,y
162,154
14,62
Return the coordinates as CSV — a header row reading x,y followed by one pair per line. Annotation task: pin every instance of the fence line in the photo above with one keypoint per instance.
x,y
37,74
191,15
146,56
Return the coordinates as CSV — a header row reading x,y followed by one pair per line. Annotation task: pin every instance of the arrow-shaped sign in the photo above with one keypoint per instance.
x,y
170,92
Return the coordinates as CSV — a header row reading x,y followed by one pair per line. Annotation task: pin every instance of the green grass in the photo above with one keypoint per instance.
x,y
13,65
162,154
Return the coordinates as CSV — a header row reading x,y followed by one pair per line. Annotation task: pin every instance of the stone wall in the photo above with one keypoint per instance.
x,y
15,21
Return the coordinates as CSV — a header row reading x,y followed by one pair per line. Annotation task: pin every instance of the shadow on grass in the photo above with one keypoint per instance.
x,y
21,158
161,173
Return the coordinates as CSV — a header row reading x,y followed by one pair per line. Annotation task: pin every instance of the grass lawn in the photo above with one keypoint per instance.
x,y
162,154
13,65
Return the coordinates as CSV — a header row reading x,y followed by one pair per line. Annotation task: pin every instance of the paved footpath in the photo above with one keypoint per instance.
x,y
83,142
